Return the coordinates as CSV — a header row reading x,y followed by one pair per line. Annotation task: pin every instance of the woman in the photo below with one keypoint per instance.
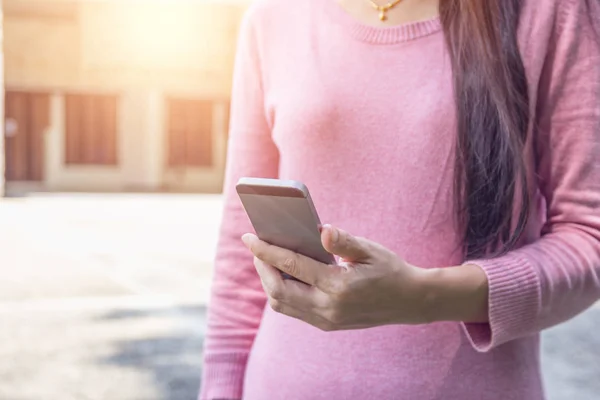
x,y
462,138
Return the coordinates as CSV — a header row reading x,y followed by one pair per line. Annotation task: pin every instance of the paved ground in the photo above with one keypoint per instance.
x,y
103,297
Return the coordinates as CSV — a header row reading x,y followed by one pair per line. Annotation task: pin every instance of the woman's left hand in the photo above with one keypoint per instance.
x,y
371,286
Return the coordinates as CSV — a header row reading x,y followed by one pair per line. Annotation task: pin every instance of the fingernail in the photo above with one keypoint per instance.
x,y
334,234
246,238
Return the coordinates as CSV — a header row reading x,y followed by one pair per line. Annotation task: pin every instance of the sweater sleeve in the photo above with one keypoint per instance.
x,y
558,276
237,299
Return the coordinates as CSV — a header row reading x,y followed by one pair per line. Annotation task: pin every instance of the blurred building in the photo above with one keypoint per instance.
x,y
113,95
1,103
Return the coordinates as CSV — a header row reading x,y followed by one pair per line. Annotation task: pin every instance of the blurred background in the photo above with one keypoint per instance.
x,y
115,133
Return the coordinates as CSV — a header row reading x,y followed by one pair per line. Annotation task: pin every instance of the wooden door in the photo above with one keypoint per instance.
x,y
91,129
190,133
27,116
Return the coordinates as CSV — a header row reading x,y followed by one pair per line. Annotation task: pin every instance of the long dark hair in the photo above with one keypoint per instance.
x,y
492,106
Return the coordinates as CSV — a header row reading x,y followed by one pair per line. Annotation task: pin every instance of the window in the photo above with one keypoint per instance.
x,y
91,129
190,126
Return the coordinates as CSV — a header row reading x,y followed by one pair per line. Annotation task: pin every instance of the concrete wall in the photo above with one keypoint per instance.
x,y
143,51
112,44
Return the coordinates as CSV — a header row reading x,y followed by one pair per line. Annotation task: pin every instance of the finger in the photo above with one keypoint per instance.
x,y
342,244
292,300
300,267
271,279
286,293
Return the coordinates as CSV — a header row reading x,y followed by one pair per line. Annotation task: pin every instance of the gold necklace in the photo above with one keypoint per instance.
x,y
384,8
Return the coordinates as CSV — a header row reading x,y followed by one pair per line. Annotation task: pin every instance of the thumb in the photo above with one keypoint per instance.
x,y
343,244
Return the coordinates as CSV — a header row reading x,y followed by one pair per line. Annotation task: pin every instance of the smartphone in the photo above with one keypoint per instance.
x,y
283,214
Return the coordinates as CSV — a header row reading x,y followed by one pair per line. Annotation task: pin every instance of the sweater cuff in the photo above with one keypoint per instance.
x,y
514,302
223,376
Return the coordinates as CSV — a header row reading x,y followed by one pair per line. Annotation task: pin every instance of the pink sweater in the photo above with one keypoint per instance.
x,y
365,117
